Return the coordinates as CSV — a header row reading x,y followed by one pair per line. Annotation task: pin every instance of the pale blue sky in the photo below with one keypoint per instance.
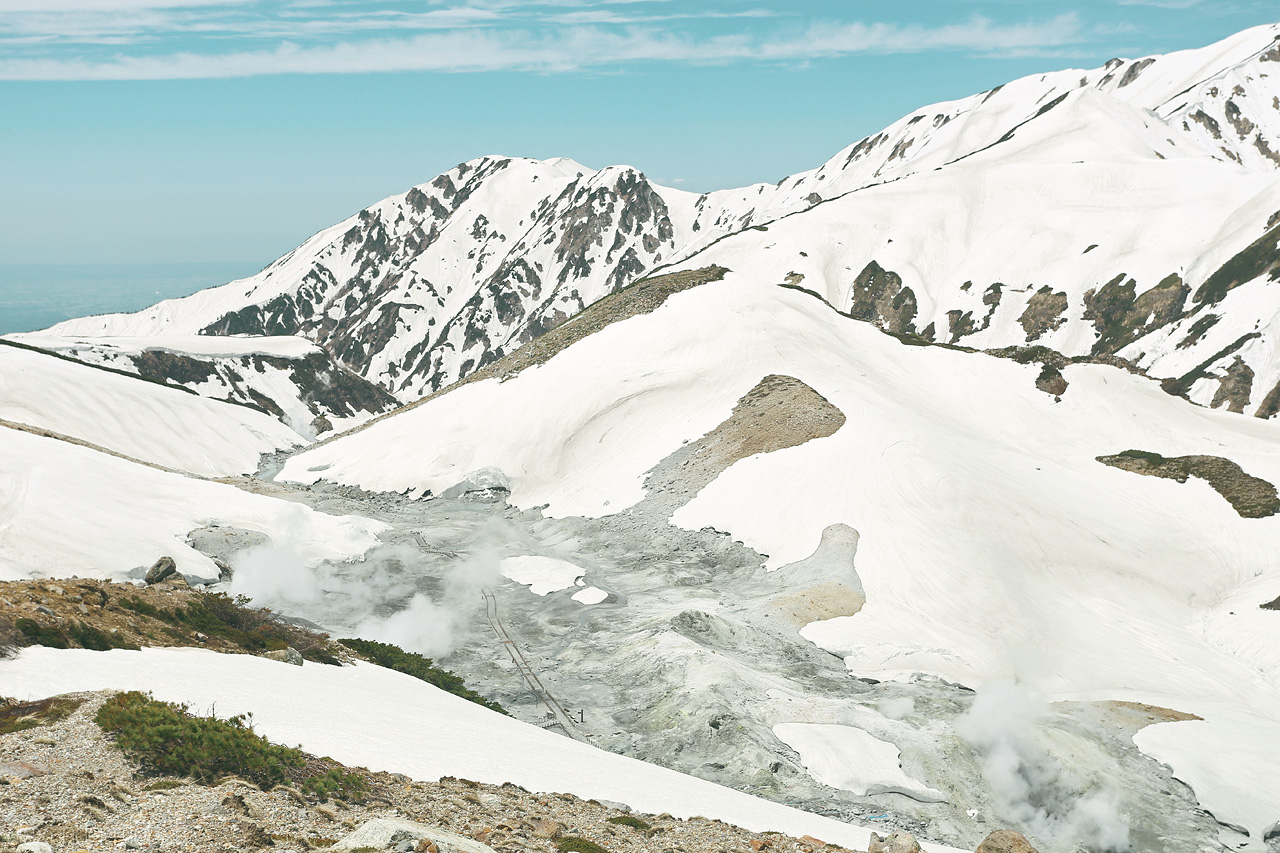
x,y
227,131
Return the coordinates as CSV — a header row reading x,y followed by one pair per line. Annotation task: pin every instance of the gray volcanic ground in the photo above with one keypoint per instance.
x,y
695,654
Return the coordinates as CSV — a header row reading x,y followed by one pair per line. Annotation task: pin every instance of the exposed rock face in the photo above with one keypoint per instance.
x,y
315,387
1234,386
1044,313
540,242
288,655
1250,497
1121,317
897,842
1270,405
1261,258
879,298
1005,841
163,569
1050,381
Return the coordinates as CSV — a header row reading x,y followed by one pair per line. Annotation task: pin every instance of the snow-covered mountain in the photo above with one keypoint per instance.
x,y
809,461
154,423
1128,210
289,378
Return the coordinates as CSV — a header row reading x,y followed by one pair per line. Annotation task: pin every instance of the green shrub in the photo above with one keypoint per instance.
x,y
394,657
628,820
166,738
570,844
77,633
42,635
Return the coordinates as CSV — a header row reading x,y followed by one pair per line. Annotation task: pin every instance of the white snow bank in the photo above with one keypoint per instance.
x,y
1229,763
369,716
849,758
590,595
286,346
542,574
68,510
141,419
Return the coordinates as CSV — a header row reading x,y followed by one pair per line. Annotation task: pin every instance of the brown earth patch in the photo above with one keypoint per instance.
x,y
817,603
779,412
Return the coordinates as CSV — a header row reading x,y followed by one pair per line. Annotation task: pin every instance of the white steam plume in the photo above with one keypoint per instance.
x,y
379,598
431,627
1032,788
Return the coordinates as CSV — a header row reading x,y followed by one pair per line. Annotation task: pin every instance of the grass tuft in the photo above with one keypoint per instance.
x,y
18,716
571,844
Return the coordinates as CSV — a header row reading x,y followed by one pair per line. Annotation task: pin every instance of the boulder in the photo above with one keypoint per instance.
x,y
386,833
162,569
288,655
897,842
1006,841
18,770
34,847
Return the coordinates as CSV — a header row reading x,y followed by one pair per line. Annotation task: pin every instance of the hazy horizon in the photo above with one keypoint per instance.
x,y
184,131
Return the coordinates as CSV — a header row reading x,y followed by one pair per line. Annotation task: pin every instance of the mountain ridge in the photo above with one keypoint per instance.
x,y
423,288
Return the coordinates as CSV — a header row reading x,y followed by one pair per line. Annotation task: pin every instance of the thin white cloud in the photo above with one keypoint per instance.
x,y
1162,4
469,39
48,6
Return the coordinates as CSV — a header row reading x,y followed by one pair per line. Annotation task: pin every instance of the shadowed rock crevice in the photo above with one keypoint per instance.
x,y
1261,258
1249,496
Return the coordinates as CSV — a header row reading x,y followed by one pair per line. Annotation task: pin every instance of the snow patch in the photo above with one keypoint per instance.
x,y
542,575
849,758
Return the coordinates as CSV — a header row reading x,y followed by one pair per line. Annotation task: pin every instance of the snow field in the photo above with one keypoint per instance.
x,y
68,510
146,421
993,544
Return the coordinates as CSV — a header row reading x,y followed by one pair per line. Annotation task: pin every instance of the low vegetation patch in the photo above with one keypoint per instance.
x,y
18,716
234,620
166,738
571,844
421,668
71,635
628,820
1249,496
